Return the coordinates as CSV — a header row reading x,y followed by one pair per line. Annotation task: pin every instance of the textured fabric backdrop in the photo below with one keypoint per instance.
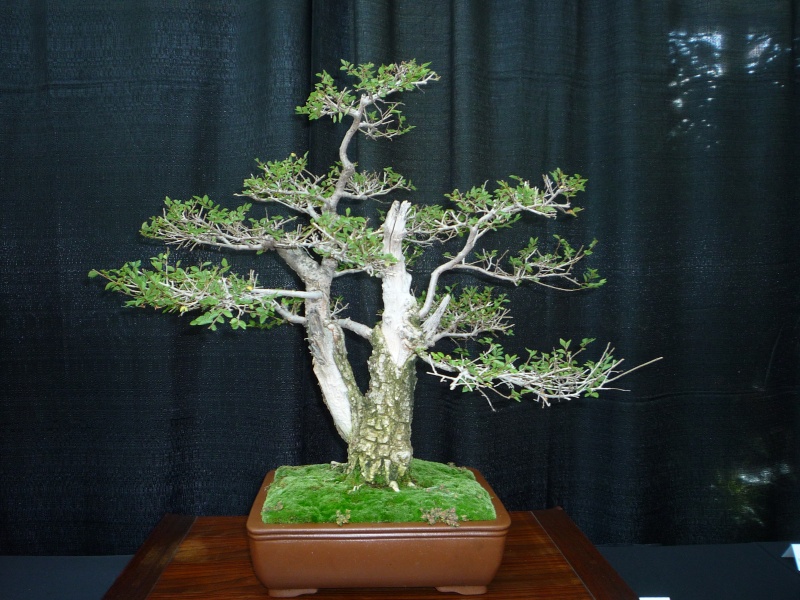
x,y
683,116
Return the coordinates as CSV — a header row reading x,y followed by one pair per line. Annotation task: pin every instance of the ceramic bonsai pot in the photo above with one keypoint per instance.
x,y
295,559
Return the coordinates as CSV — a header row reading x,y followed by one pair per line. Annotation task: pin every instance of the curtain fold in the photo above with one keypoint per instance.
x,y
683,117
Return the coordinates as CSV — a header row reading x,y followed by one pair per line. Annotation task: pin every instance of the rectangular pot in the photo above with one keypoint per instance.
x,y
294,559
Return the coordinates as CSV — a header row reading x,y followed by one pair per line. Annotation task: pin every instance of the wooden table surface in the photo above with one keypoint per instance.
x,y
546,556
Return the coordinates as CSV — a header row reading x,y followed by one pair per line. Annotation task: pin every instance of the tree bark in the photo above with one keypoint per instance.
x,y
332,367
326,340
380,452
380,448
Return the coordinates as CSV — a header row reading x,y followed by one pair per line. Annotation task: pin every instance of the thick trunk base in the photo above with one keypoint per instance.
x,y
380,449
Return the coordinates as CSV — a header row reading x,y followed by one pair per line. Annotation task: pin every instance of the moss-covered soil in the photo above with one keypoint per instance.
x,y
322,494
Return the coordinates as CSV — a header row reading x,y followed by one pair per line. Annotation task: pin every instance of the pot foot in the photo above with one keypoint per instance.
x,y
291,593
464,590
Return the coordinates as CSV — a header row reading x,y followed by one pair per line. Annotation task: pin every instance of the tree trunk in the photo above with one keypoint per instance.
x,y
332,367
380,450
326,340
380,446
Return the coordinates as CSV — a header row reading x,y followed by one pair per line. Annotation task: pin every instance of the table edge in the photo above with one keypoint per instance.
x,y
142,573
597,574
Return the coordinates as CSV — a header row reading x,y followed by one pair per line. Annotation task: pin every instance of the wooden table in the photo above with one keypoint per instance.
x,y
546,556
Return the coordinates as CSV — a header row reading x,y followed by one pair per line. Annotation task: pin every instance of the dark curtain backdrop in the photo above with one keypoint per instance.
x,y
683,115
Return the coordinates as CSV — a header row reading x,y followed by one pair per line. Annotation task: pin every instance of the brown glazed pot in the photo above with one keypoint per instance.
x,y
295,559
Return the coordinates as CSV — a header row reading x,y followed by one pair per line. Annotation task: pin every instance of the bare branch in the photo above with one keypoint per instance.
x,y
432,323
348,272
358,328
289,316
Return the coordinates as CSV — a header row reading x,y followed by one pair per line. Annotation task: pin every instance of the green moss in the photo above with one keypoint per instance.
x,y
324,494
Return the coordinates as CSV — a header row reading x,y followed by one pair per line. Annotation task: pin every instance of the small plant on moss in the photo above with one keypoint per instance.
x,y
326,240
274,507
441,515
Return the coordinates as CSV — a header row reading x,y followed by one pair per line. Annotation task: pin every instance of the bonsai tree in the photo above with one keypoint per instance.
x,y
322,242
